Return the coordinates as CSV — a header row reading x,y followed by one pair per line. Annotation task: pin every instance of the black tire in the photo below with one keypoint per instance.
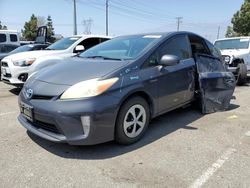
x,y
120,136
241,78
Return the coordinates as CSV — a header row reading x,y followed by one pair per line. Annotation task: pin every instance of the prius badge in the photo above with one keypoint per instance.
x,y
29,93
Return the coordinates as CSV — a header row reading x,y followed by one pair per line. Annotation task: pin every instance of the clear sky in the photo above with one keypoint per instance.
x,y
125,16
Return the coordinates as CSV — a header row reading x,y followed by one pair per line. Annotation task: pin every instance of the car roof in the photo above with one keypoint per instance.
x,y
165,34
242,37
92,36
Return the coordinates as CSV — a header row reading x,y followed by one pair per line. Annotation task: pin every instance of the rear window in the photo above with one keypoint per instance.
x,y
13,38
2,38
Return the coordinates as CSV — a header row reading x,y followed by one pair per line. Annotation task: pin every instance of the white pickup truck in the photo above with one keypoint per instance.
x,y
236,54
18,67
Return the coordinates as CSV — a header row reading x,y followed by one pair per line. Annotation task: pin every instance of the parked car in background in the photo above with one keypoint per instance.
x,y
17,67
9,37
111,91
236,54
5,49
18,49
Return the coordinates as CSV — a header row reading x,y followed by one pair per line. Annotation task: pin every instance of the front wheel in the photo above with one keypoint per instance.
x,y
133,120
241,77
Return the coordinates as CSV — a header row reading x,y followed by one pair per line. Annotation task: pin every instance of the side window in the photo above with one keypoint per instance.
x,y
3,38
39,47
214,51
178,46
198,45
13,38
103,40
90,42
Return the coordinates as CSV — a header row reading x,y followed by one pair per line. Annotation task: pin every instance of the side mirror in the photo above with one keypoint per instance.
x,y
79,48
169,60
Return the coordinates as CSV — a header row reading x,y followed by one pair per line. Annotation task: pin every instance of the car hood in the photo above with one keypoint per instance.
x,y
3,55
33,54
235,52
74,70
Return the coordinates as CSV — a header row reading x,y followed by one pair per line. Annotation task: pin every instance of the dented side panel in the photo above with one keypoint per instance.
x,y
216,84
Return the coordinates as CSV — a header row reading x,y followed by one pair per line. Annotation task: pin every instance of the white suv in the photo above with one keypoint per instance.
x,y
18,67
236,54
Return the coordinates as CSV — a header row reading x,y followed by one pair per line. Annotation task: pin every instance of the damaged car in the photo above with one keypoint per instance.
x,y
113,90
235,52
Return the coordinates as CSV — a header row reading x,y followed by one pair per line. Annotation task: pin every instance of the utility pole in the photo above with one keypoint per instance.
x,y
218,33
107,19
74,15
179,22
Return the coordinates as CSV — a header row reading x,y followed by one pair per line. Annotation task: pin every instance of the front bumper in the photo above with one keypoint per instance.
x,y
12,74
60,121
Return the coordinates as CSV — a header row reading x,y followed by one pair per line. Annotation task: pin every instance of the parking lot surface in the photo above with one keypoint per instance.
x,y
182,148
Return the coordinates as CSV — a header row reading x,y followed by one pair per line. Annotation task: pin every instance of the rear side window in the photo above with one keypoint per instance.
x,y
198,45
104,39
13,38
214,51
90,42
3,38
39,47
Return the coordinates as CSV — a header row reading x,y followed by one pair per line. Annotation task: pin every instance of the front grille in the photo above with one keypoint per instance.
x,y
7,75
4,64
46,126
42,97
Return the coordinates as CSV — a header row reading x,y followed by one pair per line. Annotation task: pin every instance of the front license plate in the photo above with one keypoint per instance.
x,y
27,111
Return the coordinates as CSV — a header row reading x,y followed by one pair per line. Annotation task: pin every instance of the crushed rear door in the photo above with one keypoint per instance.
x,y
216,84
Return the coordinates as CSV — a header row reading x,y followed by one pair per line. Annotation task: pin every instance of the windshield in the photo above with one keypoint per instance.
x,y
128,47
23,48
63,43
232,44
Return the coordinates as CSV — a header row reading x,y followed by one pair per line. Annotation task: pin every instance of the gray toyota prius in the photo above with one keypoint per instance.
x,y
113,90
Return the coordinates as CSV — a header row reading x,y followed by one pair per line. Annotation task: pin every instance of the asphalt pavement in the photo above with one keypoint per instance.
x,y
182,148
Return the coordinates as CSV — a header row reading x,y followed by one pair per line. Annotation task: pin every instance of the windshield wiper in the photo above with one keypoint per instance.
x,y
104,57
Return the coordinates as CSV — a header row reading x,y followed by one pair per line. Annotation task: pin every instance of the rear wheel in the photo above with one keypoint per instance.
x,y
241,77
133,120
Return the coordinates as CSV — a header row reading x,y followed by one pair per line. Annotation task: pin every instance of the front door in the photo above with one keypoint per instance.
x,y
176,83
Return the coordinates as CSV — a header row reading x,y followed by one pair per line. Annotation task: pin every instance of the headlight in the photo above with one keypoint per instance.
x,y
88,88
26,62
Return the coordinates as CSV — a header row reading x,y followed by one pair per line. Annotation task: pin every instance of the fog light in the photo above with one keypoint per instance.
x,y
86,125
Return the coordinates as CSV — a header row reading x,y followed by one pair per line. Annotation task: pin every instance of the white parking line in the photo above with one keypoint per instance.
x,y
7,113
211,170
247,133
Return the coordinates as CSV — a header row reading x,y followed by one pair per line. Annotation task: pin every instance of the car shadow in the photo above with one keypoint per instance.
x,y
15,90
158,128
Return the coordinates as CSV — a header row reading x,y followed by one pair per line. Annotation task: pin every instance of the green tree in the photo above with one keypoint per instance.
x,y
50,29
230,32
3,27
241,19
30,28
